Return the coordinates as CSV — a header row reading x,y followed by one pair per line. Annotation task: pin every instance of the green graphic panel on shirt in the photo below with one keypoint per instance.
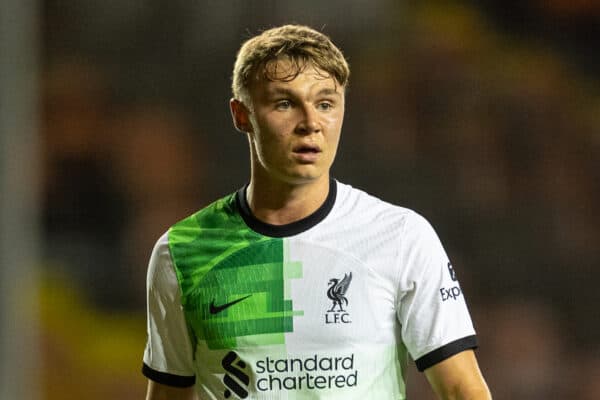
x,y
233,279
202,240
243,295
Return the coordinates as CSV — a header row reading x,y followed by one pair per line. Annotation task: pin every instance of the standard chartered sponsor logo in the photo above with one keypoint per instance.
x,y
307,373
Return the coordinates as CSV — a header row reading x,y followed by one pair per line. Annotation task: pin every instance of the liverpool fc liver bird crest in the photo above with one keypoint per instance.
x,y
337,291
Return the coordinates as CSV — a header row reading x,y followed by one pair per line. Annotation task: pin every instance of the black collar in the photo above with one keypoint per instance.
x,y
292,228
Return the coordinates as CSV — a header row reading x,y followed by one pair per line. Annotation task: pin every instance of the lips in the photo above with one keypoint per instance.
x,y
306,153
306,149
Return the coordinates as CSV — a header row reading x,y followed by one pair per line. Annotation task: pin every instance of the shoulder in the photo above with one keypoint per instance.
x,y
371,219
160,252
214,214
161,276
353,201
185,231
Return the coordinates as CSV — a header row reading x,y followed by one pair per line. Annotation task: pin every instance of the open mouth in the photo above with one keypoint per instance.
x,y
307,149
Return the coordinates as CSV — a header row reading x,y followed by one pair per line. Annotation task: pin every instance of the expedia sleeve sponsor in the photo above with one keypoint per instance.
x,y
308,373
450,293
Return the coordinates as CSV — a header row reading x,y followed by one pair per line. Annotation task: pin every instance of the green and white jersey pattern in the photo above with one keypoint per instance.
x,y
329,307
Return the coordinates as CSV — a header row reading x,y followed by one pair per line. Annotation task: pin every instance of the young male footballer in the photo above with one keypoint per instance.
x,y
298,286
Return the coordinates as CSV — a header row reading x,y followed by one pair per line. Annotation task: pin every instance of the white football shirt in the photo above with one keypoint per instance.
x,y
327,307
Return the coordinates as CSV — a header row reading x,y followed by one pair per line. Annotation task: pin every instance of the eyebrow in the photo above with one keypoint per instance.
x,y
284,91
328,91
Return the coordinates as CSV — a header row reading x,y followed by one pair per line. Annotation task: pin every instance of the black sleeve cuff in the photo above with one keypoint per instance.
x,y
168,379
452,348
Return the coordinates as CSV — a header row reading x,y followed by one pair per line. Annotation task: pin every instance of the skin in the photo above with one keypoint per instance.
x,y
157,391
282,121
458,378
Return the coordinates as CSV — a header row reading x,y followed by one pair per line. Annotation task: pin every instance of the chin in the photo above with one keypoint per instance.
x,y
303,178
298,174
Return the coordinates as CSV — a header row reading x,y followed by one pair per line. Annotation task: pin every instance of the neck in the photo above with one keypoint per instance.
x,y
280,203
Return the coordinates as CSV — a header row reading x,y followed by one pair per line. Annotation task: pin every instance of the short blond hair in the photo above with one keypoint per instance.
x,y
299,44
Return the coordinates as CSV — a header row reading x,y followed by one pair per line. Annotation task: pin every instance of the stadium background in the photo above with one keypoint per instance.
x,y
484,116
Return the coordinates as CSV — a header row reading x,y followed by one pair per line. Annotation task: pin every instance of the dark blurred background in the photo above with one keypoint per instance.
x,y
484,116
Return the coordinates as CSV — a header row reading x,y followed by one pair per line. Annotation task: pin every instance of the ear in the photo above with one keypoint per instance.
x,y
240,115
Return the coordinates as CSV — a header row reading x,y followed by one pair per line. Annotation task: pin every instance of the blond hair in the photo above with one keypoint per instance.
x,y
300,45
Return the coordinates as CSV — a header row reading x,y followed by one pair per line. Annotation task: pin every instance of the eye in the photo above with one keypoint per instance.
x,y
283,104
325,106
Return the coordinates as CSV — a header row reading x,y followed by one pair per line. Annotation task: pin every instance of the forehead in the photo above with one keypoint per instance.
x,y
286,73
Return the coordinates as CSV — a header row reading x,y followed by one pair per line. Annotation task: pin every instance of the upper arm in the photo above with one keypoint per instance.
x,y
436,325
168,357
157,391
432,311
458,377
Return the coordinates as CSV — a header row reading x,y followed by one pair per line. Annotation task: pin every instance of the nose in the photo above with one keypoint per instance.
x,y
309,122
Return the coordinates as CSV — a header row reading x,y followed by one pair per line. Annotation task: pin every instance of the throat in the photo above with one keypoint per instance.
x,y
281,206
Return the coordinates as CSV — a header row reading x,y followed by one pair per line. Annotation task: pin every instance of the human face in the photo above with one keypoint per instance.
x,y
295,126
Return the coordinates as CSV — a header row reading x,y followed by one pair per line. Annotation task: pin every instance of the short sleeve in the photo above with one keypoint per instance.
x,y
168,357
435,321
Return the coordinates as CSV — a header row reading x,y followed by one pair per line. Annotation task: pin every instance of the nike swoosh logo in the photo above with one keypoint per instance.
x,y
217,309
